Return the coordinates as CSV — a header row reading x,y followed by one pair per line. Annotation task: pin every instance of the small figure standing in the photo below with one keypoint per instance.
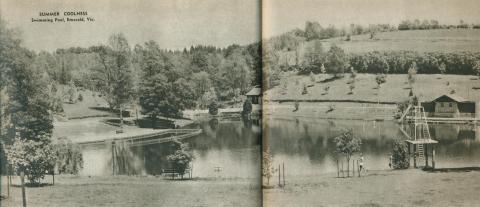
x,y
362,168
390,161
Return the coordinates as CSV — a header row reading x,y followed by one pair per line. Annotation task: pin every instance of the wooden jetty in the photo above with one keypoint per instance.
x,y
148,138
419,140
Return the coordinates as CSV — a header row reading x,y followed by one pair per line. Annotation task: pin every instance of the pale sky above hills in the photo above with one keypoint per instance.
x,y
283,15
174,24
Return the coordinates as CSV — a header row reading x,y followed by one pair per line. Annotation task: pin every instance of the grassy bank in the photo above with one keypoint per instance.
x,y
331,110
395,89
127,191
410,187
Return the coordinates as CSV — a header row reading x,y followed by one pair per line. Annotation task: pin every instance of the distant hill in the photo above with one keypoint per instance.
x,y
439,40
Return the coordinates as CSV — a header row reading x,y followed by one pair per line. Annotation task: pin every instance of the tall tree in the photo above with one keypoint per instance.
x,y
162,92
337,60
25,91
114,76
347,144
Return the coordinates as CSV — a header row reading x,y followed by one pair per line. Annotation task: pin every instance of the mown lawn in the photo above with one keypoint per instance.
x,y
86,107
128,191
396,88
411,187
442,40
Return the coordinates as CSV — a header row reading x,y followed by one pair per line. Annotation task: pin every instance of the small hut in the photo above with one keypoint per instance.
x,y
255,95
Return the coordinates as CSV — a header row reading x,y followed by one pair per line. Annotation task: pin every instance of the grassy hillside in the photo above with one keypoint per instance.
x,y
396,88
445,40
441,40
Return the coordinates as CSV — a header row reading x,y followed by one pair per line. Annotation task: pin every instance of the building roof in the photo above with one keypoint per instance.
x,y
256,91
452,97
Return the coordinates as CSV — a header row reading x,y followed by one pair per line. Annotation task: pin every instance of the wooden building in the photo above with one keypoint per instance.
x,y
450,106
255,95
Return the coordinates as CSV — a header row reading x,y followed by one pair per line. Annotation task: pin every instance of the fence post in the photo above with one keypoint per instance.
x,y
358,169
22,181
283,166
279,183
338,170
8,181
343,172
353,168
113,158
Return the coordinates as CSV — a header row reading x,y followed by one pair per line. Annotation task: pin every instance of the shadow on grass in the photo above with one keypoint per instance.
x,y
329,79
459,169
34,185
370,204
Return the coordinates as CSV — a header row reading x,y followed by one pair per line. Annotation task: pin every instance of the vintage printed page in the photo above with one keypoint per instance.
x,y
130,103
371,102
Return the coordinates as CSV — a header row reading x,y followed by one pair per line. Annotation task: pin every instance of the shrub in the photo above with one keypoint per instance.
x,y
247,107
69,157
181,158
213,108
304,91
400,159
380,79
34,158
326,88
348,38
312,77
352,86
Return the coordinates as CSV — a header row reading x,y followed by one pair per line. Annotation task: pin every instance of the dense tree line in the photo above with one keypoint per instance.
x,y
394,62
336,61
398,62
223,74
433,24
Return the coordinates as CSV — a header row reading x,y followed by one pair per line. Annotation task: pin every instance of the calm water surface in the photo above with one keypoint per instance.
x,y
306,145
230,145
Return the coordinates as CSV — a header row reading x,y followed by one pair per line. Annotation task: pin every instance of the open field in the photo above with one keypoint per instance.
x,y
127,191
410,187
440,40
85,108
396,88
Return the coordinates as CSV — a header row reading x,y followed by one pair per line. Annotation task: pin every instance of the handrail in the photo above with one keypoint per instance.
x,y
134,138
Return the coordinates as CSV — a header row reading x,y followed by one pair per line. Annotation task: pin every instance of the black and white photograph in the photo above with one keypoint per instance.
x,y
130,103
275,103
371,103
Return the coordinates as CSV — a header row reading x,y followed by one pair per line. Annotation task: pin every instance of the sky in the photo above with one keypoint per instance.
x,y
174,24
280,16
